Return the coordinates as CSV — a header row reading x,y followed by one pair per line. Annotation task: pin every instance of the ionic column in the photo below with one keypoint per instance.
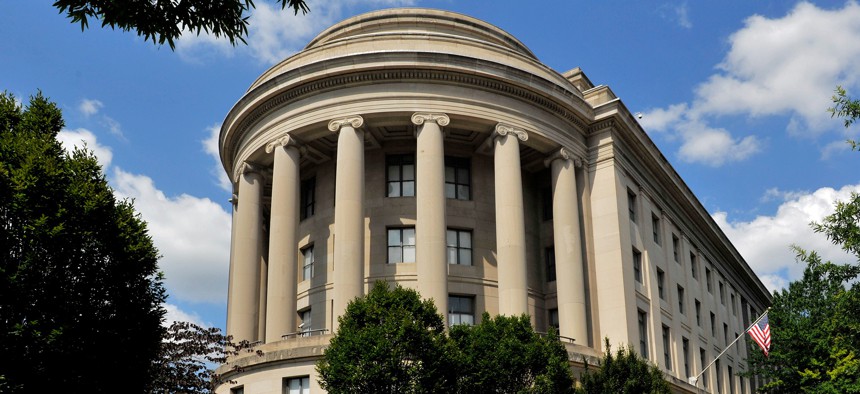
x,y
568,247
245,267
348,213
510,221
430,227
283,263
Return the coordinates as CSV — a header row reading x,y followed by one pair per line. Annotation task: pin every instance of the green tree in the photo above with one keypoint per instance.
x,y
163,21
389,341
188,354
80,294
625,372
847,108
815,331
505,355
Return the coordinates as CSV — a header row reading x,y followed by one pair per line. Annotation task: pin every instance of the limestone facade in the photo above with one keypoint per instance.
x,y
434,150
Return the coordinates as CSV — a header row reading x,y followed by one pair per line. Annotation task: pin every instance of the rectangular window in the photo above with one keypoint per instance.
x,y
734,306
685,348
458,178
745,314
725,334
708,279
306,325
661,277
307,198
401,245
655,228
719,372
681,308
459,247
722,293
461,310
546,198
553,318
703,359
637,265
308,262
676,247
643,334
400,175
698,313
731,380
549,257
299,385
238,390
631,205
713,325
694,266
667,356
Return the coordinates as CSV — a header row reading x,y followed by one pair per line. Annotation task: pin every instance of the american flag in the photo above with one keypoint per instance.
x,y
760,333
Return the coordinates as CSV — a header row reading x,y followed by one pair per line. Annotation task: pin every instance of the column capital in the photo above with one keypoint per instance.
x,y
441,119
248,168
503,129
285,141
354,121
563,154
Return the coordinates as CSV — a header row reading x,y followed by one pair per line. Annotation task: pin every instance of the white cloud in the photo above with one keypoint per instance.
x,y
175,314
765,241
210,146
192,234
113,126
90,107
713,147
83,138
784,66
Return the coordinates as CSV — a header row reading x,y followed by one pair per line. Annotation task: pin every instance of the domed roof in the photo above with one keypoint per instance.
x,y
420,21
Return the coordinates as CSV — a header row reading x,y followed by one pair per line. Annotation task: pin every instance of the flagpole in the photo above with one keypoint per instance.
x,y
695,380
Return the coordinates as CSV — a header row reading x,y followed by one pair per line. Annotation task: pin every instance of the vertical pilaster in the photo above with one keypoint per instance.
x,y
348,213
510,221
568,248
283,263
245,282
430,210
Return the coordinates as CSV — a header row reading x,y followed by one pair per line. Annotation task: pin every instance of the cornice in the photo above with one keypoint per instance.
x,y
403,75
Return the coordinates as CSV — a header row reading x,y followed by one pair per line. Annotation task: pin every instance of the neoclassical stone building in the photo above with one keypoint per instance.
x,y
434,150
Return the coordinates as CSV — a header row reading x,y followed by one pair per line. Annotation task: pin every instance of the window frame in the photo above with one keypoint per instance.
x,y
655,228
681,305
458,164
308,251
402,246
304,384
459,313
307,198
637,266
549,263
400,161
661,281
631,205
642,320
667,353
457,247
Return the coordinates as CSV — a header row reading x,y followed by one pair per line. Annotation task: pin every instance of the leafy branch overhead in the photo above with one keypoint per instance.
x,y
163,21
847,108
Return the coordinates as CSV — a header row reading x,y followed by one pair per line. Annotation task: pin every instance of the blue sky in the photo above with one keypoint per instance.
x,y
734,93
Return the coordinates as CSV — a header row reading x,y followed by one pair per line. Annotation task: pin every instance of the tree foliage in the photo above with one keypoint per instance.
x,y
622,373
163,21
847,108
815,321
505,355
188,354
389,341
80,294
